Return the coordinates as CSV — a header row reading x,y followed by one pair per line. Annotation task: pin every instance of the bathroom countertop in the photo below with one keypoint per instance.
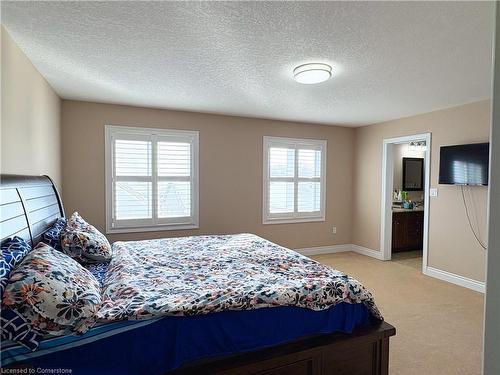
x,y
401,209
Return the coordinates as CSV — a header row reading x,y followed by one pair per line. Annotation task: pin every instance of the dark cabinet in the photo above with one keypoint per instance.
x,y
407,230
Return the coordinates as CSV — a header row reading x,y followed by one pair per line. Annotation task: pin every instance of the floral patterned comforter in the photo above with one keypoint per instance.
x,y
204,274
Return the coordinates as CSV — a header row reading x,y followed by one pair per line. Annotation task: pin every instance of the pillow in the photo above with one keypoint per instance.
x,y
98,270
16,328
13,251
52,236
53,293
82,241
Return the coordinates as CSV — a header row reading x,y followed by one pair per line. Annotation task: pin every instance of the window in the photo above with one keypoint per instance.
x,y
294,180
151,179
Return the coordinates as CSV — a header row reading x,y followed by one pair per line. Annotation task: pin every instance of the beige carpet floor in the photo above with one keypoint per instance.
x,y
439,325
409,258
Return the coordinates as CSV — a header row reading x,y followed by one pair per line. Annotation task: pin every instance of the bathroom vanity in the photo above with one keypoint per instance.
x,y
407,229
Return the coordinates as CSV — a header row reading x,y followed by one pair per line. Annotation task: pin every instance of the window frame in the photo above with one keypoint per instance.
x,y
295,216
154,135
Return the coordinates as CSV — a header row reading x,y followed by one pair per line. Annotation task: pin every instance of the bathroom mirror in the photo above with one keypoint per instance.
x,y
413,174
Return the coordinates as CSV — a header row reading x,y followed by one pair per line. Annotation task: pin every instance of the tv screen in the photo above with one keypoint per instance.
x,y
464,164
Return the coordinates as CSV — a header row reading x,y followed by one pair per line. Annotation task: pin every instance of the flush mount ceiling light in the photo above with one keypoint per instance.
x,y
312,73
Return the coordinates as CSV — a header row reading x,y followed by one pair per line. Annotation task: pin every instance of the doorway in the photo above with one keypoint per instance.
x,y
405,193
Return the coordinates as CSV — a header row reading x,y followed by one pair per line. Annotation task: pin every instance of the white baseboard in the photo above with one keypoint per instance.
x,y
340,249
463,281
478,286
324,249
368,252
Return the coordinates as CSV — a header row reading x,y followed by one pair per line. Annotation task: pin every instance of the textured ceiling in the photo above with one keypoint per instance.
x,y
390,59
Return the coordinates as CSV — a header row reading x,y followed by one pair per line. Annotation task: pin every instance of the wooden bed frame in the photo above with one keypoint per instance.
x,y
365,351
29,205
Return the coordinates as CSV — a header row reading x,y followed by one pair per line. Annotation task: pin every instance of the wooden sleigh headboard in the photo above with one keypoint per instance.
x,y
29,205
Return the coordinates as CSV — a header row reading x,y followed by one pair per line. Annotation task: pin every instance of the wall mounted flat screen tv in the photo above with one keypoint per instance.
x,y
464,164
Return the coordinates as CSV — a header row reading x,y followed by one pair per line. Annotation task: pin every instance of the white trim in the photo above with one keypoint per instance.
x,y
340,249
463,281
293,220
157,228
368,252
108,184
155,223
386,194
325,249
386,201
293,217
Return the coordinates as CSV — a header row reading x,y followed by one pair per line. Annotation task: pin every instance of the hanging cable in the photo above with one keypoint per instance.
x,y
472,209
481,243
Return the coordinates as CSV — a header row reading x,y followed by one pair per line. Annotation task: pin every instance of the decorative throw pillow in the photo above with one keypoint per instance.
x,y
13,251
16,328
54,293
52,236
84,242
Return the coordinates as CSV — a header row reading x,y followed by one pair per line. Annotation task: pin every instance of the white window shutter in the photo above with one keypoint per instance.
x,y
151,179
294,180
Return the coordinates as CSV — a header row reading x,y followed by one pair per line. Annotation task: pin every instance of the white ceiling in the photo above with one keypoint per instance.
x,y
390,59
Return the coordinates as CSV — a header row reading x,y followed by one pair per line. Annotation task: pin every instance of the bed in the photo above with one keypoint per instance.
x,y
233,320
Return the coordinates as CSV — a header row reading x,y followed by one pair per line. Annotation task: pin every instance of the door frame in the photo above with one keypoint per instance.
x,y
387,189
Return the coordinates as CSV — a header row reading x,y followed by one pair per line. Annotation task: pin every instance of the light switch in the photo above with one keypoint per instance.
x,y
433,192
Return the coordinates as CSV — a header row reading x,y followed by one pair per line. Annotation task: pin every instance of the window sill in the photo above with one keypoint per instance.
x,y
159,228
293,220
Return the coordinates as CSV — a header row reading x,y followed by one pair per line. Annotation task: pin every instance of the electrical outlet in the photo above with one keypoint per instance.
x,y
433,192
334,230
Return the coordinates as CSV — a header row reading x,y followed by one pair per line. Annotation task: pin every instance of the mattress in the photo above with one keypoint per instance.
x,y
203,274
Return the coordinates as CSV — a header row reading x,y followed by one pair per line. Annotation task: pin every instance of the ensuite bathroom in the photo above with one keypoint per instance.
x,y
408,201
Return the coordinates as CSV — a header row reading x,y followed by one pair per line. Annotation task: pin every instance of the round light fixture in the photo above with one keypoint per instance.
x,y
312,73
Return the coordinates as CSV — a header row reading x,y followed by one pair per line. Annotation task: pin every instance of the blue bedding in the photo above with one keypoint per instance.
x,y
98,270
155,346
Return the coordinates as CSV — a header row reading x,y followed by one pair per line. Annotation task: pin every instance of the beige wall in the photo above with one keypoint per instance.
x,y
452,246
230,170
231,151
31,110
